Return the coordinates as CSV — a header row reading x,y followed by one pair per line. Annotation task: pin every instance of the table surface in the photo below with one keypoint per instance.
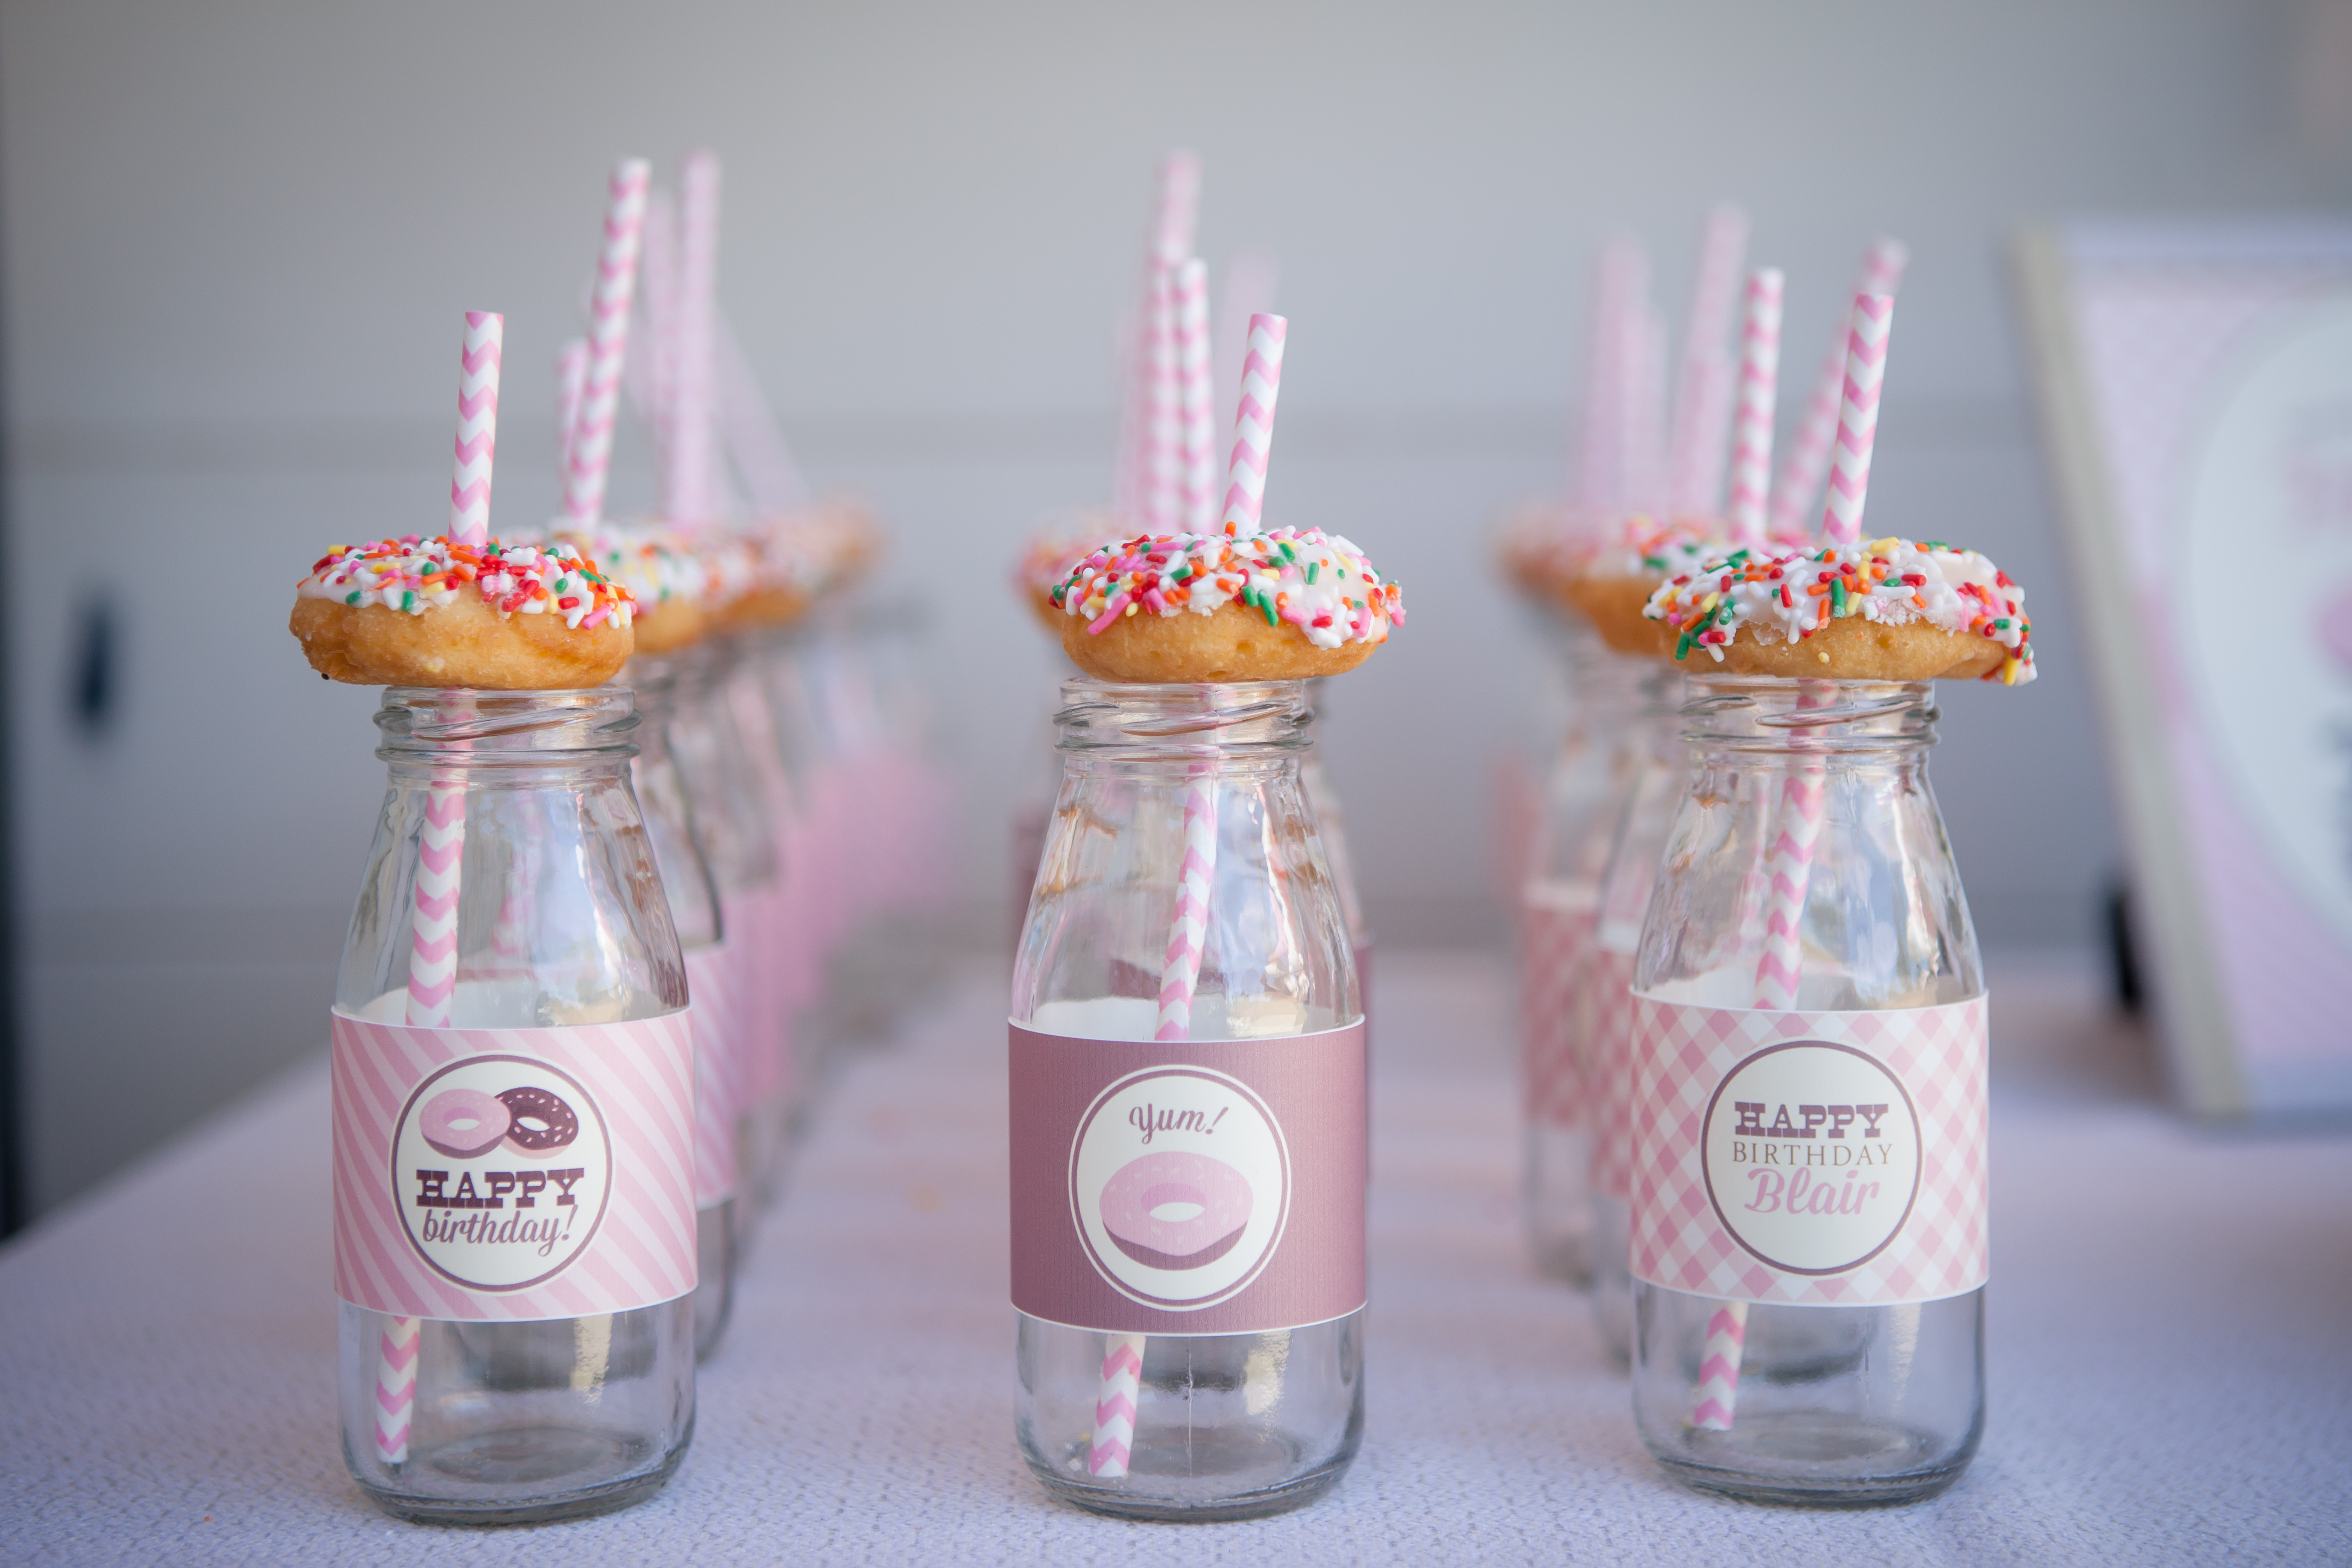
x,y
2170,1358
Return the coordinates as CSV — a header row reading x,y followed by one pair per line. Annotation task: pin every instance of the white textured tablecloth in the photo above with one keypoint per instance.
x,y
2170,1359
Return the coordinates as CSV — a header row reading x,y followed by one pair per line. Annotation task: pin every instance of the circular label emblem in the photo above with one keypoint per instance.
x,y
500,1168
1179,1186
1811,1153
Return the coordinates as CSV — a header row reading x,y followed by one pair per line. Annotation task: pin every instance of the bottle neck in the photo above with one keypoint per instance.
x,y
1767,722
1235,729
430,733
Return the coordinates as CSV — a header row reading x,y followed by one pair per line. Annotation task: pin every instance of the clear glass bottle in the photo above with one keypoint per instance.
x,y
1225,1425
1826,1404
1559,895
560,920
1658,764
694,913
731,824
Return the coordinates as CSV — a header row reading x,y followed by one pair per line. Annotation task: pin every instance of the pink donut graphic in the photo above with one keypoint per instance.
x,y
464,1123
1175,1211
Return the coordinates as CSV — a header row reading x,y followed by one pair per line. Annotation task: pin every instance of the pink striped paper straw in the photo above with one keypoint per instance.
x,y
432,981
1606,419
1178,213
653,371
1250,280
1254,425
1163,413
1788,874
570,381
1759,386
1196,398
1645,413
477,426
395,1389
588,445
693,487
1188,928
1865,376
1122,1383
754,439
1807,459
1703,394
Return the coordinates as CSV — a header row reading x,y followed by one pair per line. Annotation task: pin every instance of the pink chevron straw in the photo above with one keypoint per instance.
x,y
1250,280
754,439
1759,387
1865,377
1788,874
652,371
1196,398
1175,211
693,478
1122,1384
588,444
1163,413
432,979
1254,425
1188,928
1807,459
1644,432
477,426
570,382
1604,422
1703,394
1178,214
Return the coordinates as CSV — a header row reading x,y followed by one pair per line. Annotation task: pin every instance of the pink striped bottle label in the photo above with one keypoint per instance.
x,y
508,1174
718,1072
1188,1186
1810,1158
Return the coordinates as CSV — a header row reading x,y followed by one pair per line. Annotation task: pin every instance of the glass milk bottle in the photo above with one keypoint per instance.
x,y
1659,766
513,1131
1558,897
1810,1027
1188,1117
711,981
732,827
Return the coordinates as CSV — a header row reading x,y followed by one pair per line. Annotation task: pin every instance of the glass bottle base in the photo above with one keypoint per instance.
x,y
1809,1459
1164,1468
603,1468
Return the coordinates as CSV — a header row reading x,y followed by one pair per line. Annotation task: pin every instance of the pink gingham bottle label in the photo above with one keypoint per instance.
x,y
1610,1009
719,1071
1810,1158
1556,939
497,1175
1188,1187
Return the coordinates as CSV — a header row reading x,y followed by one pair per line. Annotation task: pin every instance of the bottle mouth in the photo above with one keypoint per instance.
x,y
421,723
1152,719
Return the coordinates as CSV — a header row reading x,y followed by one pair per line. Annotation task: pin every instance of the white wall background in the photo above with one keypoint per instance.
x,y
238,235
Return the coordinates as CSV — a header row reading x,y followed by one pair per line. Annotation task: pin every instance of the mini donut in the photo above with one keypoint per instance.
x,y
1049,556
1615,567
1287,604
672,581
1891,610
543,1124
464,1124
1144,1189
416,612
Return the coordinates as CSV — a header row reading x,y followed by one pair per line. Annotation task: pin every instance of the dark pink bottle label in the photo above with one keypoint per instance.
x,y
1190,1186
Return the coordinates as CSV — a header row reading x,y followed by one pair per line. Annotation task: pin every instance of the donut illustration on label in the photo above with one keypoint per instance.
x,y
501,1169
1176,1210
1179,1186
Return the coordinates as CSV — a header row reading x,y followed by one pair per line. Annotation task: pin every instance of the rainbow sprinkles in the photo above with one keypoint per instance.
x,y
1317,582
415,574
